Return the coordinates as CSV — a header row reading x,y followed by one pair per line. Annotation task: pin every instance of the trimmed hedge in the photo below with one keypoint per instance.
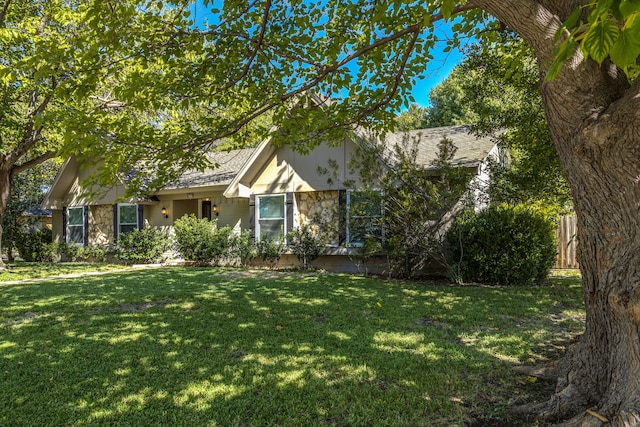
x,y
201,241
35,245
143,246
505,245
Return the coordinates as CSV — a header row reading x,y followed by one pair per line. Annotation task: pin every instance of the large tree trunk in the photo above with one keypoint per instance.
x,y
5,189
602,371
592,112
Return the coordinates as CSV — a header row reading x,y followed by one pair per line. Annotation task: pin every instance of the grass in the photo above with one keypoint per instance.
x,y
20,270
215,347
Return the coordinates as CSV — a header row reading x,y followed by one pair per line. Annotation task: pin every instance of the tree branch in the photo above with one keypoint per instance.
x,y
3,12
32,163
536,24
256,49
30,136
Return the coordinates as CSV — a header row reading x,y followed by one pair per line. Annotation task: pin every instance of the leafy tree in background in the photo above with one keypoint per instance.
x,y
497,94
414,117
27,193
503,93
58,60
448,106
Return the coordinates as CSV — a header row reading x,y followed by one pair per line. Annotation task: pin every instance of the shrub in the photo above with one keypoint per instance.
x,y
370,248
34,245
503,245
190,238
49,252
199,240
69,252
270,250
219,244
143,246
97,253
244,248
73,253
305,244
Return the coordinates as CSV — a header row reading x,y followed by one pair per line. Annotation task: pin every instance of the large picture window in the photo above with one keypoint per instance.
x,y
270,217
75,225
127,218
364,216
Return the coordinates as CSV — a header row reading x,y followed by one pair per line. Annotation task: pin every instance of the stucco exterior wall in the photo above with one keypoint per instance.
x,y
56,225
290,171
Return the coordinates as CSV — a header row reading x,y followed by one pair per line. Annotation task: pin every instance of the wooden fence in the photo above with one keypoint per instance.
x,y
566,236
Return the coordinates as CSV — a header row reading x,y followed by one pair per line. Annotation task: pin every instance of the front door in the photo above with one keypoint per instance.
x,y
206,209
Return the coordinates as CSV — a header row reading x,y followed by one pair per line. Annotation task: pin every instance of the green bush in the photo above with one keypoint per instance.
x,y
68,252
503,245
34,245
199,240
189,232
219,244
243,248
370,248
142,246
72,252
270,251
305,244
96,253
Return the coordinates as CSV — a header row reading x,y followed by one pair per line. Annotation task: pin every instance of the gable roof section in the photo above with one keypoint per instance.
x,y
471,150
250,169
225,166
229,163
236,169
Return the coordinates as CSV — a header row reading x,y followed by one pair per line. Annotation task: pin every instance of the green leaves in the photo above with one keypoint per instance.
x,y
612,31
447,8
600,39
629,7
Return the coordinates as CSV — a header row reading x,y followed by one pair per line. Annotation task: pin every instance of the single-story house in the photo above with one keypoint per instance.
x,y
268,189
36,218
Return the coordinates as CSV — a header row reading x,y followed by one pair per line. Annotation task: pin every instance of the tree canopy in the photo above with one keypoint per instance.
x,y
496,94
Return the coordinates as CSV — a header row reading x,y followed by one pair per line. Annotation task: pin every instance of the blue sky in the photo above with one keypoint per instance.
x,y
437,70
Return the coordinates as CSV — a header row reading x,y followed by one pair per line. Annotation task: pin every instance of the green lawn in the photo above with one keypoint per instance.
x,y
20,270
216,347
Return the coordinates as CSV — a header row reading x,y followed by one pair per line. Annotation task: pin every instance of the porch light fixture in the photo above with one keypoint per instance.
x,y
165,212
216,209
206,199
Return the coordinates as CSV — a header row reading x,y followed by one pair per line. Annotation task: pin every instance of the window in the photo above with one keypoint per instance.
x,y
75,225
270,218
364,216
127,218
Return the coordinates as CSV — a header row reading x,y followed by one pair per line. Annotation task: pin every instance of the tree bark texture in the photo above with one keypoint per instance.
x,y
5,190
593,111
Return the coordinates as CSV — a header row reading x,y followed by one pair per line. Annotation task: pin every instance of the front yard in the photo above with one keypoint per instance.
x,y
223,347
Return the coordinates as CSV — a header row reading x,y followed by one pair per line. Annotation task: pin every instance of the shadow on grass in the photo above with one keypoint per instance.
x,y
214,347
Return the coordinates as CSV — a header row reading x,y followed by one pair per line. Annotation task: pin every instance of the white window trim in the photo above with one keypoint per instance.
x,y
348,216
69,225
257,215
119,222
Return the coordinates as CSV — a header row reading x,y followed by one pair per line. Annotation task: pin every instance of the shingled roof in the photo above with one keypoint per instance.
x,y
228,165
472,150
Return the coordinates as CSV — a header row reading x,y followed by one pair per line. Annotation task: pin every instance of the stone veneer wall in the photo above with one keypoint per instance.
x,y
101,225
320,208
